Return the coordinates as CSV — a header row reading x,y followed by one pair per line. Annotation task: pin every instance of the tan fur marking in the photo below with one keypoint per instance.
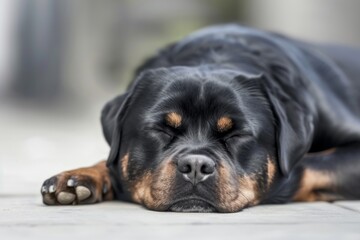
x,y
140,187
228,189
235,192
224,124
103,178
124,166
153,189
173,119
249,188
312,180
270,171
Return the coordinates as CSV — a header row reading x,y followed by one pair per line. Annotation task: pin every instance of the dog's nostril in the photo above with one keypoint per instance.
x,y
207,169
184,168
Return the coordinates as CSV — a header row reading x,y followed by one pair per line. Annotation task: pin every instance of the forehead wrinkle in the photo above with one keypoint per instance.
x,y
195,137
166,103
173,94
235,106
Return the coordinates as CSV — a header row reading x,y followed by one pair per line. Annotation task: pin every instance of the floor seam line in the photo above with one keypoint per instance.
x,y
347,208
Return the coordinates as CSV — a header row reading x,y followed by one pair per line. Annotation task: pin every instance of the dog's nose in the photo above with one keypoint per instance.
x,y
196,168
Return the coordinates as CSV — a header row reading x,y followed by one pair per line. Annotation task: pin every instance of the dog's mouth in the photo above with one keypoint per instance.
x,y
192,205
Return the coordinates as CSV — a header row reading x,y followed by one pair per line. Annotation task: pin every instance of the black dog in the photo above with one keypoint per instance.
x,y
228,118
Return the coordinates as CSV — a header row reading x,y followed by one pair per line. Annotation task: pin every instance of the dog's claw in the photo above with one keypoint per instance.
x,y
52,189
71,182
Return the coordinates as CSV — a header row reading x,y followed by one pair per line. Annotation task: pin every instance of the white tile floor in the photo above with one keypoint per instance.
x,y
23,217
36,145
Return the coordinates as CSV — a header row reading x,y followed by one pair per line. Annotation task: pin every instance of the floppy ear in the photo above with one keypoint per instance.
x,y
112,117
294,126
116,110
294,123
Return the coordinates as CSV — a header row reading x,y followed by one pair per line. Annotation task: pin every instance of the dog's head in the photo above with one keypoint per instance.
x,y
189,139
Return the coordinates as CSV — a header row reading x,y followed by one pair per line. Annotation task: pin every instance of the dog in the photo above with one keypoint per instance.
x,y
228,118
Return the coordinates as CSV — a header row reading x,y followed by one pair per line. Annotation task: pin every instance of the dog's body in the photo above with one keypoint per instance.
x,y
227,118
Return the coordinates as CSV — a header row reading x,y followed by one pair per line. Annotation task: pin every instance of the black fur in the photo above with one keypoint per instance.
x,y
290,97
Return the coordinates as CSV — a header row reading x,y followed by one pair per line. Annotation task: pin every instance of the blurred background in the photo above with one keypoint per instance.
x,y
61,60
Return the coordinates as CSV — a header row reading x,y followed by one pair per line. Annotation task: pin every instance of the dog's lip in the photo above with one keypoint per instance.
x,y
209,204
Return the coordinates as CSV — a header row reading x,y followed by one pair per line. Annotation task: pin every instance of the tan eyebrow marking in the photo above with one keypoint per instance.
x,y
173,119
224,124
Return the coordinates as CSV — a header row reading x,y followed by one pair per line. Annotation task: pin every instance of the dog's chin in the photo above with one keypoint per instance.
x,y
192,205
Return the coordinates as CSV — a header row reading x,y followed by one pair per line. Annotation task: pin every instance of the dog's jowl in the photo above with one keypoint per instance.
x,y
227,118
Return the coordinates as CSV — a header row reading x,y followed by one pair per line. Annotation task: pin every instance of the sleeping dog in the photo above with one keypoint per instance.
x,y
227,118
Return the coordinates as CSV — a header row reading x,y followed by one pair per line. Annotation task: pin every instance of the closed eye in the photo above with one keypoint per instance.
x,y
170,135
238,135
158,132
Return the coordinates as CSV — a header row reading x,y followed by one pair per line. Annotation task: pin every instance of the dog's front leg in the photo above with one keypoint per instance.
x,y
330,175
79,186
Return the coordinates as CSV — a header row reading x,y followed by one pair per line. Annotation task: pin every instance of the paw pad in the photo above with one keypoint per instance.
x,y
65,198
82,193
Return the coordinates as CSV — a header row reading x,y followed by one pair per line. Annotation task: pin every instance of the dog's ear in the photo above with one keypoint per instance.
x,y
294,131
294,121
112,118
116,110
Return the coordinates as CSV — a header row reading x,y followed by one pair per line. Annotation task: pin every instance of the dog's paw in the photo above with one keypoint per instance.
x,y
81,186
